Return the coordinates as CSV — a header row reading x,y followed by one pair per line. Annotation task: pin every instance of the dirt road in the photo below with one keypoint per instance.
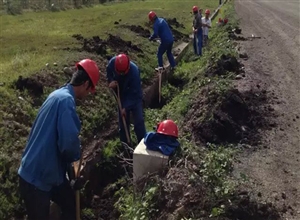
x,y
273,64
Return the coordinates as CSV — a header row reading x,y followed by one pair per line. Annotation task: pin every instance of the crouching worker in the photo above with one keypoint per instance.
x,y
124,74
164,139
53,145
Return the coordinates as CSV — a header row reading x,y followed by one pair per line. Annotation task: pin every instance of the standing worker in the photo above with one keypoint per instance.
x,y
206,24
197,30
124,73
53,145
162,30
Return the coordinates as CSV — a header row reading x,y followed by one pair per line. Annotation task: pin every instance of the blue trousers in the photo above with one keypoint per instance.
x,y
138,122
165,47
198,42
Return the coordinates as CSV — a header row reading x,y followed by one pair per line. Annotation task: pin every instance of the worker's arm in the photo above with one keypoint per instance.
x,y
208,24
68,128
155,31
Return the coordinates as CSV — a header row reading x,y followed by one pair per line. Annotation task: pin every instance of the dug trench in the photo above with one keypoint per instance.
x,y
236,119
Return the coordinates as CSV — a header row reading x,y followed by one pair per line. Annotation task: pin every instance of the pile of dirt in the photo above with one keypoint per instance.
x,y
100,46
174,22
226,63
139,30
180,196
242,207
35,84
234,118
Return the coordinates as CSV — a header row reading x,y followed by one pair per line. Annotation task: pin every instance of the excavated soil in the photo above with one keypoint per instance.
x,y
225,64
234,118
179,196
139,30
100,46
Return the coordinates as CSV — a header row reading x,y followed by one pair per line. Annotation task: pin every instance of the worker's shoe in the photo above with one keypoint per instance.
x,y
159,68
173,68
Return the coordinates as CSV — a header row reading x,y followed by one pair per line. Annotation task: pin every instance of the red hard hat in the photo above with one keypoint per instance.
x,y
91,69
168,127
207,11
122,64
195,9
151,15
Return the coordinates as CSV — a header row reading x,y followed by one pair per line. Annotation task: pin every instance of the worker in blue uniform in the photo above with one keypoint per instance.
x,y
162,30
124,73
53,145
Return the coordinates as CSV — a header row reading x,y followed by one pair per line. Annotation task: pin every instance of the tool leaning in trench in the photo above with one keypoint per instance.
x,y
117,97
159,84
77,166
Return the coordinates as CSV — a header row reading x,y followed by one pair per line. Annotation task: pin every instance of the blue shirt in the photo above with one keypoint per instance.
x,y
130,84
53,141
162,30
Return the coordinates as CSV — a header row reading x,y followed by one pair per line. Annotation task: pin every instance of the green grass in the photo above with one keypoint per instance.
x,y
28,40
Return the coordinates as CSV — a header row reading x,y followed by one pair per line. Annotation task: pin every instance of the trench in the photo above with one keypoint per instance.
x,y
99,171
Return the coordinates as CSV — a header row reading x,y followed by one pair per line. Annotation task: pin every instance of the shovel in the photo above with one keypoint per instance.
x,y
117,97
159,85
77,192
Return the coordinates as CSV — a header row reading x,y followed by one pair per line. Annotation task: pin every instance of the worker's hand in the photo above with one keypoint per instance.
x,y
123,112
113,84
78,183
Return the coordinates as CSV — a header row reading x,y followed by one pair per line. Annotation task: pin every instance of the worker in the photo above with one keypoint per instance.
x,y
206,25
53,145
164,139
162,30
122,72
197,30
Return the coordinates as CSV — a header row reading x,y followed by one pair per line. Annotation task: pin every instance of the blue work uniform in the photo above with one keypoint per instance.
x,y
162,30
53,144
131,98
198,38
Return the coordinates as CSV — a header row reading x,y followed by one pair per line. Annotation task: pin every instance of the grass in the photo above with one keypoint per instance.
x,y
28,40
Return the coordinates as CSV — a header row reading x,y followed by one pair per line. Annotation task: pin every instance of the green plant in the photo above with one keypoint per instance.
x,y
135,205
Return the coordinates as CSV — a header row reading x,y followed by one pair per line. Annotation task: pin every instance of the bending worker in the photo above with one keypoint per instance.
x,y
124,73
197,30
162,30
53,145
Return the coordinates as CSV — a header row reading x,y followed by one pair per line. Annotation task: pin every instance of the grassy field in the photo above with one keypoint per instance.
x,y
31,40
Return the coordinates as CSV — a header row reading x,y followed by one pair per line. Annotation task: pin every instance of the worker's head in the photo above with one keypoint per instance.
x,y
122,64
152,16
195,10
167,127
85,79
207,13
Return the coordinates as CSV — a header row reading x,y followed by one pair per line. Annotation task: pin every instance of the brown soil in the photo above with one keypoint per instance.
x,y
100,46
226,63
139,30
234,118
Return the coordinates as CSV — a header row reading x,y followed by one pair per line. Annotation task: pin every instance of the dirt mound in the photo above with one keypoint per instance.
x,y
99,46
226,63
233,118
121,45
242,207
174,22
35,84
139,30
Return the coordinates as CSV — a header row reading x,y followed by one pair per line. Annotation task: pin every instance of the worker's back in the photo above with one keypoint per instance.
x,y
164,31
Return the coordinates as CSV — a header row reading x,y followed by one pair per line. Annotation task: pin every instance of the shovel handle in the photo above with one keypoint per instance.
x,y
120,109
159,86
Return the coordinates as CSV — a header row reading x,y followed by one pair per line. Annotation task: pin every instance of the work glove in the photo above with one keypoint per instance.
x,y
78,183
150,38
